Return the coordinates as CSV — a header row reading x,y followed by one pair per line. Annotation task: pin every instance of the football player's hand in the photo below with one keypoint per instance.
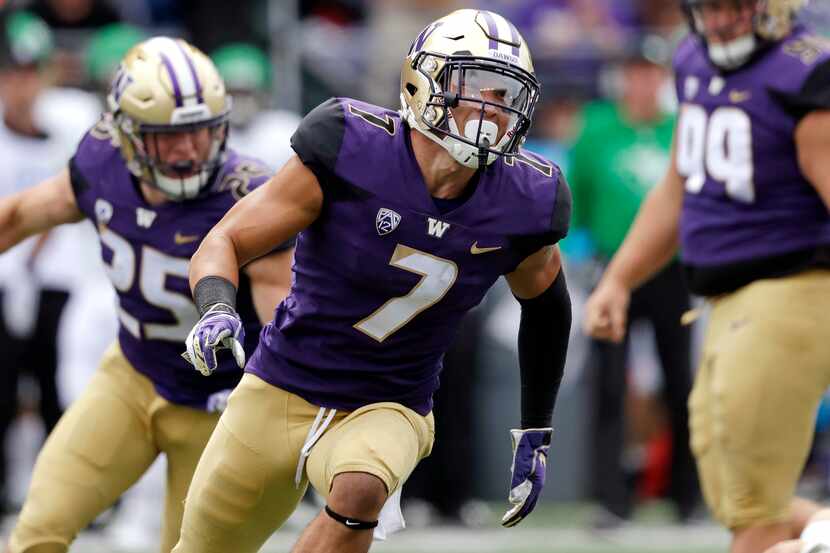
x,y
606,311
219,328
530,452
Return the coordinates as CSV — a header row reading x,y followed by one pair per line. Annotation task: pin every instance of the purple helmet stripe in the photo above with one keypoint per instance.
x,y
176,90
116,85
514,34
419,42
492,28
425,34
192,72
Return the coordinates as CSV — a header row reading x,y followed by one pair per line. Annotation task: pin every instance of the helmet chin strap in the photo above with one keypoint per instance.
x,y
732,54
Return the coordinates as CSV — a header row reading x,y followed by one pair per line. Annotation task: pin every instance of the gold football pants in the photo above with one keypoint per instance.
x,y
244,487
764,368
100,447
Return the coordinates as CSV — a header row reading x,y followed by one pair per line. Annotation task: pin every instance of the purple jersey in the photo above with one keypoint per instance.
x,y
747,209
146,250
382,278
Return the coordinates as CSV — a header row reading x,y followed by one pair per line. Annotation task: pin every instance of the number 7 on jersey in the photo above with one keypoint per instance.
x,y
437,277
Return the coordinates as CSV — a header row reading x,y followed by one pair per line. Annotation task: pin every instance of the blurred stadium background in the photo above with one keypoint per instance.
x,y
280,59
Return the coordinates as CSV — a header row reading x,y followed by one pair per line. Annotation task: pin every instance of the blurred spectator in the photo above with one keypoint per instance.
x,y
104,51
212,23
72,21
621,153
63,15
256,130
37,276
555,128
339,12
388,22
661,16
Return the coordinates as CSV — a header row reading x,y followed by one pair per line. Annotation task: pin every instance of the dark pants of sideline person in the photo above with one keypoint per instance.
x,y
660,301
36,354
445,479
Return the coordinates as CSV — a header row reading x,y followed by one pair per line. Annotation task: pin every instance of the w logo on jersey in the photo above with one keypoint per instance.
x,y
144,217
437,228
386,221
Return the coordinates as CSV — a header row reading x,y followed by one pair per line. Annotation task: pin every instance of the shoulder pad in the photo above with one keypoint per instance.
x,y
319,136
810,49
241,175
543,183
348,140
688,49
811,90
370,132
97,148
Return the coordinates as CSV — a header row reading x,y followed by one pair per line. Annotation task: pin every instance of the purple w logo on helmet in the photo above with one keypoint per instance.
x,y
422,38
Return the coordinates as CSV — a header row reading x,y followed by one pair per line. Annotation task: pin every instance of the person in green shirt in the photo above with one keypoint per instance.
x,y
622,151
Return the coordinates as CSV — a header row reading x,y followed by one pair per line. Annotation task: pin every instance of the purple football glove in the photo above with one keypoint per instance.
x,y
219,328
530,452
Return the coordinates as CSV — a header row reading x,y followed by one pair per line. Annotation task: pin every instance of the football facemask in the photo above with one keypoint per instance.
x,y
493,102
182,179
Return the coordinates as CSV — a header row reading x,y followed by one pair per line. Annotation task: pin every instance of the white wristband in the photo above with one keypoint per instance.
x,y
816,537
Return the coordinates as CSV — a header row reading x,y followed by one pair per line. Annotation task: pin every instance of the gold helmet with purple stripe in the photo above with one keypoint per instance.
x,y
734,30
473,58
165,85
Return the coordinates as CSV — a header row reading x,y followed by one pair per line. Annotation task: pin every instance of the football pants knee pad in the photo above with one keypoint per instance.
x,y
350,523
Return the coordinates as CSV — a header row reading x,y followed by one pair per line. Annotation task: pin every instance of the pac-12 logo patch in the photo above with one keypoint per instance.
x,y
103,211
386,221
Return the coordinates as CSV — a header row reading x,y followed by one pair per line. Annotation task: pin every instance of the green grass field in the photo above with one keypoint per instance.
x,y
552,529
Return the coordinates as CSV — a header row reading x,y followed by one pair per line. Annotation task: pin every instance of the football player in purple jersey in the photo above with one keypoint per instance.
x,y
746,201
153,176
405,220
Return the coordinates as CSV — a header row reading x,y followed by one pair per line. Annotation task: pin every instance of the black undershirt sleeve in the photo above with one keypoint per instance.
x,y
79,183
318,139
813,95
543,346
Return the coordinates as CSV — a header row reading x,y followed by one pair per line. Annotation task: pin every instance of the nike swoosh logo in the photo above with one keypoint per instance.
x,y
475,250
350,523
180,238
738,96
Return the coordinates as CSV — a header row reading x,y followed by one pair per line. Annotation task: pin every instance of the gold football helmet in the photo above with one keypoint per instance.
x,y
165,85
477,58
772,20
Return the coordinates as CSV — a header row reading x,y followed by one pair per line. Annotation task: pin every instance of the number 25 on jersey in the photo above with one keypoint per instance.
x,y
718,145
